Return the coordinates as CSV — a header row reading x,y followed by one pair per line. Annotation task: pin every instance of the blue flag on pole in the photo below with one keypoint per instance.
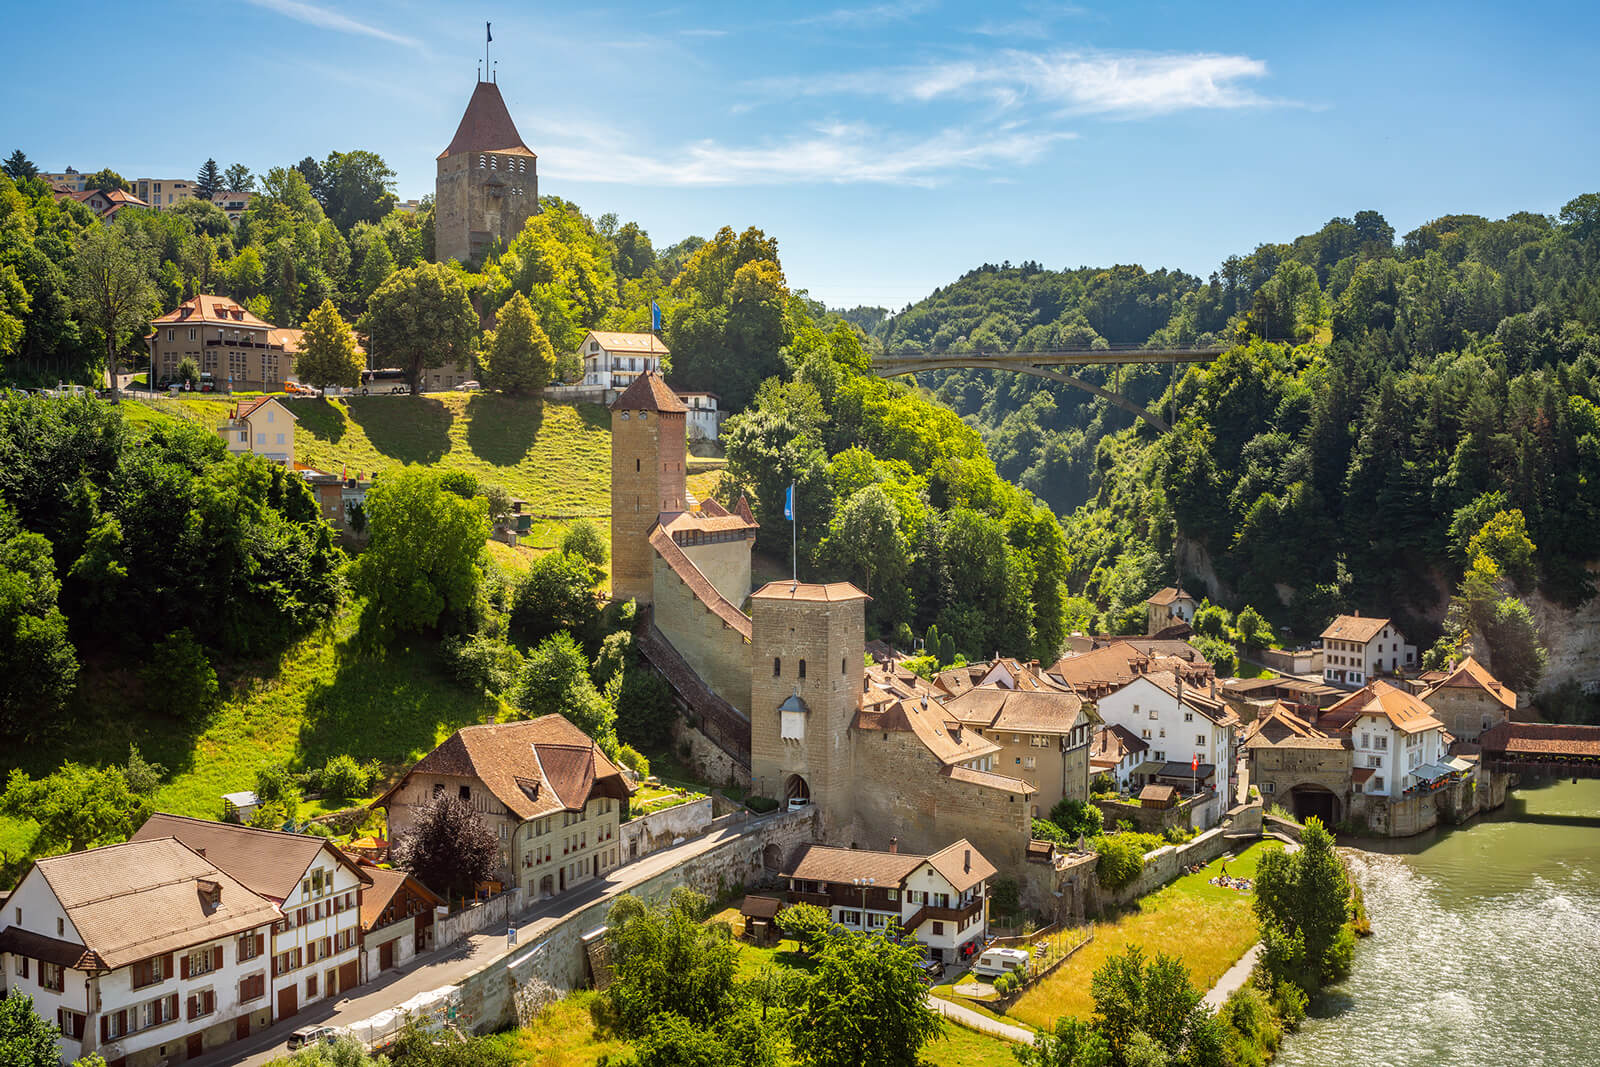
x,y
655,316
788,503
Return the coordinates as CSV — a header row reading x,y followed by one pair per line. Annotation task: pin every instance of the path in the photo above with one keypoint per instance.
x,y
451,964
973,1020
1234,978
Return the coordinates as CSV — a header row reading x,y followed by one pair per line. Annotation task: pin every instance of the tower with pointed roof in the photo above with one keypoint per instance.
x,y
647,478
487,185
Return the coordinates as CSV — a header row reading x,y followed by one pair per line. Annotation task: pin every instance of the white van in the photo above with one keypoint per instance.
x,y
998,961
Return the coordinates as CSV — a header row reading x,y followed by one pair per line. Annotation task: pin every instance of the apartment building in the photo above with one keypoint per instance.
x,y
224,340
1043,735
162,193
1189,731
1357,648
1397,744
315,948
542,785
147,952
940,900
613,360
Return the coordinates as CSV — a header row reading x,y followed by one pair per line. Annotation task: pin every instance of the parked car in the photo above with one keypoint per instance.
x,y
931,970
796,803
311,1035
468,386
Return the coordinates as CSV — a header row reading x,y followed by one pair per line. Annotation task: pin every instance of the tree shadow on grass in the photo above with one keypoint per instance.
x,y
391,704
323,420
411,429
501,429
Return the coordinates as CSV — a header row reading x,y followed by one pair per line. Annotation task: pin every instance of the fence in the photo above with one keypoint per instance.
x,y
449,929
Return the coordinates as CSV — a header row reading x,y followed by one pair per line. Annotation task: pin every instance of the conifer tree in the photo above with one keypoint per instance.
x,y
518,357
209,180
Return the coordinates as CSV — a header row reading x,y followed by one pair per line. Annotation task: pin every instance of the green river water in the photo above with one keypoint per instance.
x,y
1485,947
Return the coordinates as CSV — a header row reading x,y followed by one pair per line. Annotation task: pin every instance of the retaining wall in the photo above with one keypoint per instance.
x,y
644,835
1165,864
449,929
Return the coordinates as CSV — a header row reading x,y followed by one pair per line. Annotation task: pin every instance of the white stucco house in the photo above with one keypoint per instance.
x,y
1169,607
1396,742
612,360
1183,726
1357,648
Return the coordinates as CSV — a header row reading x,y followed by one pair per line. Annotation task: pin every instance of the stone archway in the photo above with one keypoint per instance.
x,y
772,857
796,788
1309,799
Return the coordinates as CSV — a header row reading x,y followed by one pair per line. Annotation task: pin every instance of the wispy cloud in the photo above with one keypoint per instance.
x,y
1129,85
829,153
871,15
702,33
327,19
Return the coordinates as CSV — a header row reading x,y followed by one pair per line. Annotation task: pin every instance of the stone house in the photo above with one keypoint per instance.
x,y
1168,608
316,942
145,952
940,900
541,785
1298,766
262,427
397,913
1357,648
1043,736
1398,745
1470,700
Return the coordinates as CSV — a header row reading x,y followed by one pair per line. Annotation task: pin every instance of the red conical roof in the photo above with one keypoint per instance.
x,y
649,393
487,126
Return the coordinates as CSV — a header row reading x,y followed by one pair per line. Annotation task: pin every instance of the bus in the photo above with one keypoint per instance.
x,y
387,380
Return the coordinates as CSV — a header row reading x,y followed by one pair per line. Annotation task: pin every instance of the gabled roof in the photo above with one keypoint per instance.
x,y
1169,595
649,393
245,408
1404,711
961,865
268,862
486,126
534,767
821,863
927,721
675,522
1112,744
385,884
1471,674
147,897
1277,724
1118,663
1025,711
1357,628
644,344
1197,700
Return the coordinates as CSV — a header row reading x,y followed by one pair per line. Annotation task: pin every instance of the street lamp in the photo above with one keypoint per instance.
x,y
863,883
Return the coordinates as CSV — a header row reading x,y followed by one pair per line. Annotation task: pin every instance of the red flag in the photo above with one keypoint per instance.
x,y
1194,764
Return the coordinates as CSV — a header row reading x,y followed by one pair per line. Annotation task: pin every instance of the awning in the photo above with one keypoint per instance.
x,y
1149,766
1432,772
1185,769
1458,763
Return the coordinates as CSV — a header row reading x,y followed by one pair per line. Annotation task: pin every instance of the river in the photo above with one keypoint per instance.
x,y
1485,948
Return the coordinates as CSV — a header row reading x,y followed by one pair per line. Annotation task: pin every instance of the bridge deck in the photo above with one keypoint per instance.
x,y
892,363
1551,749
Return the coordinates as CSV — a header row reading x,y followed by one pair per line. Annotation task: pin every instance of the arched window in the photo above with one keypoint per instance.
x,y
802,669
777,666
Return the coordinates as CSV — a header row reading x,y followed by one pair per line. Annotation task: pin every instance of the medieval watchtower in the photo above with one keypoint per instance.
x,y
487,186
647,478
807,650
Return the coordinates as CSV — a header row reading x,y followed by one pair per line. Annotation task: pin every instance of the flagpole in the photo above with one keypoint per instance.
x,y
794,540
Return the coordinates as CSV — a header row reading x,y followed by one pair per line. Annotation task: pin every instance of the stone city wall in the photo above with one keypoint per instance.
x,y
448,929
1165,864
644,835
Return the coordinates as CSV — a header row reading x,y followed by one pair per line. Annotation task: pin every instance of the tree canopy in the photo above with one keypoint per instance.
x,y
423,563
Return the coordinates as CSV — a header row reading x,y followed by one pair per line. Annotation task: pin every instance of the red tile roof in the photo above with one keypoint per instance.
x,y
1471,674
385,884
699,585
1541,739
649,393
268,862
215,310
1357,628
788,590
486,126
1169,595
1404,711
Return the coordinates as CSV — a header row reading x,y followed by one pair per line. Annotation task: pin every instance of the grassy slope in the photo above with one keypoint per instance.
x,y
1207,926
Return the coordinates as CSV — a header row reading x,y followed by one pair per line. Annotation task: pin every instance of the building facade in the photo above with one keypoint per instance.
x,y
1396,742
647,479
397,914
261,427
144,952
542,785
487,181
1182,726
163,193
1169,607
314,954
614,360
1043,736
1470,700
940,900
1357,648
224,340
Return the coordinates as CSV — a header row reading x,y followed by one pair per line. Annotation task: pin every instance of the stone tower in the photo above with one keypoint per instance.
x,y
647,478
487,186
807,648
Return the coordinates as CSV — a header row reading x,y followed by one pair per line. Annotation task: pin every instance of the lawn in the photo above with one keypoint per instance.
x,y
1207,926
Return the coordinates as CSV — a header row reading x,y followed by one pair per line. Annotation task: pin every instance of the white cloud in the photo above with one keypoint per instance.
x,y
830,153
326,19
872,15
1129,84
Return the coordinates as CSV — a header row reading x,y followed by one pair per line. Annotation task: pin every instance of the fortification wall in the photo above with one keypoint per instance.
x,y
726,565
715,651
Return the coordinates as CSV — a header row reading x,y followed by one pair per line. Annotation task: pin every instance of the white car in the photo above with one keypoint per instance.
x,y
312,1035
796,803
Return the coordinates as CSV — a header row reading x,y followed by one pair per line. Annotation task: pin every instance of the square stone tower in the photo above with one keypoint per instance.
x,y
647,478
808,645
487,184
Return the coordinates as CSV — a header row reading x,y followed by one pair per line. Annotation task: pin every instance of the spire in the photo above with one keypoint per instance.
x,y
486,125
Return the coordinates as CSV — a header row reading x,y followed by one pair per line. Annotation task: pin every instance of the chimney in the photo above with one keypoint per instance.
x,y
894,845
1213,687
966,863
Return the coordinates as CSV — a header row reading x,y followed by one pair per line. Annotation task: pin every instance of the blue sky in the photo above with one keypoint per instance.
x,y
889,145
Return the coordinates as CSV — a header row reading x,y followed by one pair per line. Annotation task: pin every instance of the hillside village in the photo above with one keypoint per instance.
x,y
992,809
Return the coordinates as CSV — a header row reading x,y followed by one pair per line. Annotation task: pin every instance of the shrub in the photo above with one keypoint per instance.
x,y
1077,818
761,805
343,777
481,663
1121,859
634,760
179,680
584,539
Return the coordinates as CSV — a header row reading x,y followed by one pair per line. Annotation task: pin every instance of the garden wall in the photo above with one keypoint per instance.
x,y
1165,864
1197,811
644,835
449,929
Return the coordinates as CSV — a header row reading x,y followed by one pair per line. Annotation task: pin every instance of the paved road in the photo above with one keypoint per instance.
x,y
451,964
977,1021
1233,978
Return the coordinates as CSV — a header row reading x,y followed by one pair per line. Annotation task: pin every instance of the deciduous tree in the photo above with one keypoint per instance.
x,y
26,1040
238,179
327,353
1303,898
76,807
448,848
424,557
112,288
663,960
863,1005
420,318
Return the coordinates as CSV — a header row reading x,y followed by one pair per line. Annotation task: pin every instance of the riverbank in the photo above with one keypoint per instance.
x,y
1209,927
1477,953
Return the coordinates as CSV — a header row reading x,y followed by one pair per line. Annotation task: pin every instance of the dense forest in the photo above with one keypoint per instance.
x,y
1407,393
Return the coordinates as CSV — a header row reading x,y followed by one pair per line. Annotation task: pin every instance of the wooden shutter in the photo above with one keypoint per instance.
x,y
261,943
166,967
194,1006
216,958
122,1021
105,1028
172,1007
183,966
210,1001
